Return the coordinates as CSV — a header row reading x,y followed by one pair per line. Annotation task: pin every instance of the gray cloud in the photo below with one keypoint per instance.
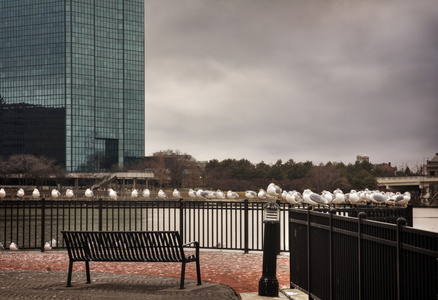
x,y
308,80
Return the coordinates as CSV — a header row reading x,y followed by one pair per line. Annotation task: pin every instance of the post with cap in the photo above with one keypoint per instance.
x,y
268,284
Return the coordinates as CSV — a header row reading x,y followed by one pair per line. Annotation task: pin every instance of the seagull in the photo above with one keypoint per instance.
x,y
211,195
20,193
55,193
53,243
250,194
378,197
201,193
284,195
162,195
69,193
89,193
112,194
134,193
290,197
353,197
327,195
13,247
220,194
47,246
232,195
146,193
262,194
192,193
273,190
2,193
338,197
313,198
36,193
176,194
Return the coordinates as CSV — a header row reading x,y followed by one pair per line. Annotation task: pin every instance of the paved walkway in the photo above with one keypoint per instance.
x,y
51,284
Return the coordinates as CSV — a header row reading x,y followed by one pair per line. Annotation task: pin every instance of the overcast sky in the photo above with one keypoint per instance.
x,y
279,79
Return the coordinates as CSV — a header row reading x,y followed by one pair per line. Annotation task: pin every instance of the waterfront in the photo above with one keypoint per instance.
x,y
426,218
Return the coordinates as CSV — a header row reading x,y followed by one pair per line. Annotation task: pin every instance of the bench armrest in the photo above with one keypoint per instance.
x,y
192,243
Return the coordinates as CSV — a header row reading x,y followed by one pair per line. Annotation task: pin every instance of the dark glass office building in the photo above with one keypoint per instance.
x,y
72,81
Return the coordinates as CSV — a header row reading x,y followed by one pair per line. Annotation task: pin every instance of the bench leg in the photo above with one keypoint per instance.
x,y
70,269
87,268
198,271
183,273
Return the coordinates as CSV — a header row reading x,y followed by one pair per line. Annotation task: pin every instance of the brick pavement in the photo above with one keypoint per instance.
x,y
24,284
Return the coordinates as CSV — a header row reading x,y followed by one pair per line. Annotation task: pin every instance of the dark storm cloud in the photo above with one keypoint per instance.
x,y
308,80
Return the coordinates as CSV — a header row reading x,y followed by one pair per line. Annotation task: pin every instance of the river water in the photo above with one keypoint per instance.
x,y
426,218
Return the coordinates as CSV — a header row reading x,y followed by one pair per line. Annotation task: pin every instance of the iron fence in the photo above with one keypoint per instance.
x,y
233,225
337,257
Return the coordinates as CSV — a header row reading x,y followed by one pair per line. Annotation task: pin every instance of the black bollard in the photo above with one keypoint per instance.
x,y
268,284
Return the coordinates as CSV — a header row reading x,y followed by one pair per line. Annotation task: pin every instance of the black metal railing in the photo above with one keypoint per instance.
x,y
338,257
234,225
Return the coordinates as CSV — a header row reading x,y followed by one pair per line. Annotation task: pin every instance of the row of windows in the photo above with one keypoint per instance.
x,y
32,20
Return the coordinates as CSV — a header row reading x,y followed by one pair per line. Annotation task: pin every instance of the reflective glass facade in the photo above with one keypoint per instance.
x,y
76,66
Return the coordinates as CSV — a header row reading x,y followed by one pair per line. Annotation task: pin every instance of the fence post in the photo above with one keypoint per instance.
x,y
400,223
332,212
181,218
362,215
246,225
308,252
100,214
43,223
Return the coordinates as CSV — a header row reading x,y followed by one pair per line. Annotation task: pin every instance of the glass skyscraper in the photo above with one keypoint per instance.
x,y
72,81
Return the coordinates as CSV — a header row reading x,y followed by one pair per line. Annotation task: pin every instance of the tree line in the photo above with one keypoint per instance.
x,y
174,169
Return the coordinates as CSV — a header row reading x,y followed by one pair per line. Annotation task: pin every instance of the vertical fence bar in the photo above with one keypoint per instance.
x,y
181,218
43,222
308,254
400,223
246,226
362,215
100,214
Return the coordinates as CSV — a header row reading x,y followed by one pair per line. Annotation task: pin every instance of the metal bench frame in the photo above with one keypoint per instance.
x,y
128,246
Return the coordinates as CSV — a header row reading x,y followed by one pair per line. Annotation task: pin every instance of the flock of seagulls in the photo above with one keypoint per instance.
x,y
47,246
272,192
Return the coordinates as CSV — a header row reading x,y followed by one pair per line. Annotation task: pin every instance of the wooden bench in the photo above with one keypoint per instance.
x,y
129,246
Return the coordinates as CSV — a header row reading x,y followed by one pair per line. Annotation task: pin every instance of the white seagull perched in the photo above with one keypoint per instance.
x,y
232,195
112,194
290,197
20,193
2,193
378,197
201,193
47,246
273,190
13,247
53,243
176,194
192,193
353,197
69,193
211,195
36,193
262,194
55,193
327,195
220,194
250,194
146,193
89,193
162,194
313,198
134,193
338,197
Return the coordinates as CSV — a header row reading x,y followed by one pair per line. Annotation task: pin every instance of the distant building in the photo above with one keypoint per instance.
x,y
362,158
432,166
72,81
